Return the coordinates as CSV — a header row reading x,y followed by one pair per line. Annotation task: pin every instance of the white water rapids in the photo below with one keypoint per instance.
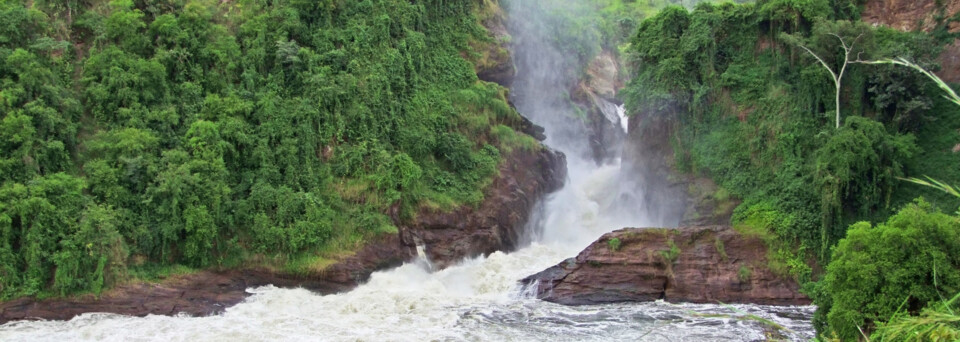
x,y
477,300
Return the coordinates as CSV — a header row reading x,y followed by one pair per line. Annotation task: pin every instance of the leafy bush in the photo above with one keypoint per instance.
x,y
907,262
856,170
744,274
613,244
671,255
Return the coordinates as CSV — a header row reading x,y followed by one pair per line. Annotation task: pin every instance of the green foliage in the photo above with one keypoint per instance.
x,y
907,262
856,170
939,321
763,221
744,274
671,255
613,244
718,244
752,113
201,133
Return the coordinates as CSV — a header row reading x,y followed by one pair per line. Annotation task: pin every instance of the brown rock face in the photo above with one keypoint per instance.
x,y
909,15
494,64
495,225
648,165
210,292
596,96
950,63
696,264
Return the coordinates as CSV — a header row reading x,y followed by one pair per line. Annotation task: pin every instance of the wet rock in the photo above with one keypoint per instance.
x,y
498,223
648,166
493,63
531,129
596,95
696,264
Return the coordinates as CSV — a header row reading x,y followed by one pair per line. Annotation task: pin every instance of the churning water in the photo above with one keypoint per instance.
x,y
478,299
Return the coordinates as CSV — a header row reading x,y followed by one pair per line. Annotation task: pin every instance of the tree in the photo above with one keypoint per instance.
x,y
841,31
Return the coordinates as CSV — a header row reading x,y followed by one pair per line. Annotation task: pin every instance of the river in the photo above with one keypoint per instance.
x,y
476,300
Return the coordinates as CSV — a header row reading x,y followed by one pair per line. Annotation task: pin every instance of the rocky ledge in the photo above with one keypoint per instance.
x,y
495,225
696,264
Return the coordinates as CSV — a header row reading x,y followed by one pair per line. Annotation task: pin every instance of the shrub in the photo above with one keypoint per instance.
x,y
744,274
613,244
911,260
671,255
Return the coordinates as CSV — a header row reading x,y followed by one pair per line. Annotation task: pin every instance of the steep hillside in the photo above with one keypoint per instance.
x,y
226,133
746,98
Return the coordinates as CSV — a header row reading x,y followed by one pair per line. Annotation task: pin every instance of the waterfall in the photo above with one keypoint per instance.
x,y
422,258
622,114
614,113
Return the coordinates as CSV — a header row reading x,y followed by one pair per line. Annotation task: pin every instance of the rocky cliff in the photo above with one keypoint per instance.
x,y
909,15
596,95
712,264
497,224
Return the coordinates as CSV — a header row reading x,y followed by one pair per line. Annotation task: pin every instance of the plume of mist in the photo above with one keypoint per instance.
x,y
552,43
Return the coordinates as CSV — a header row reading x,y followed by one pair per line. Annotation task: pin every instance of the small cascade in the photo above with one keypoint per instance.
x,y
622,114
616,114
422,260
528,291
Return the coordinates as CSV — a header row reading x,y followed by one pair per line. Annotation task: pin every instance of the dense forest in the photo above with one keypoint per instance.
x,y
748,89
137,135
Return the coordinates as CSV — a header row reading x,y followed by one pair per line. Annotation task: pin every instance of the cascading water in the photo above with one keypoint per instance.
x,y
478,299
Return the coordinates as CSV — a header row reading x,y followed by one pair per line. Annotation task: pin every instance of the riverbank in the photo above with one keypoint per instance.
x,y
525,177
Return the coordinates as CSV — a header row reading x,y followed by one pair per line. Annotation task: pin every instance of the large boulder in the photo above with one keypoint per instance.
x,y
696,264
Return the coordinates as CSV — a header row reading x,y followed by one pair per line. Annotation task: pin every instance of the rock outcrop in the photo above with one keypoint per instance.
x,y
910,15
493,63
648,169
697,264
495,225
596,96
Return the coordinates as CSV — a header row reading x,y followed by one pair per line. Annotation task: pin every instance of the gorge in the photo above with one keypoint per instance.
x,y
491,196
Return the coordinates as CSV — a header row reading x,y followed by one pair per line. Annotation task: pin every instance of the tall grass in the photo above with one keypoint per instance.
x,y
935,323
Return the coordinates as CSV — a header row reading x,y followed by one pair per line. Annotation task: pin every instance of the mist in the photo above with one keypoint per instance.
x,y
552,43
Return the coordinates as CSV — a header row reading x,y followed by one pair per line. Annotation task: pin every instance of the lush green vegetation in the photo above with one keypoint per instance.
x,y
903,264
939,320
207,133
755,111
